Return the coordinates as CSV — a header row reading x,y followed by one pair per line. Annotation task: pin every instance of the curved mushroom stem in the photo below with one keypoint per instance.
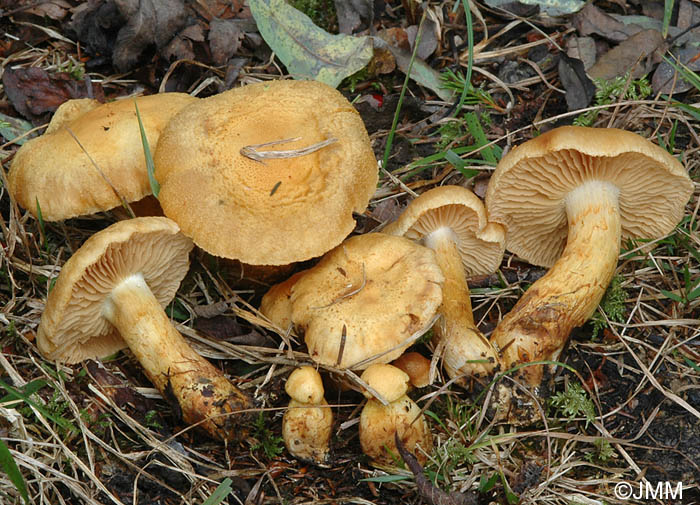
x,y
467,351
200,390
538,327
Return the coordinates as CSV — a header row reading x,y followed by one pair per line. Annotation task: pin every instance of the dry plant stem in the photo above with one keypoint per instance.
x,y
202,392
538,327
467,351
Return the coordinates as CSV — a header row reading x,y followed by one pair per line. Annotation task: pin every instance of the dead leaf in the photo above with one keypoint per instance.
x,y
222,9
579,87
225,38
147,22
181,46
12,128
582,48
35,93
123,29
421,72
386,211
635,55
665,80
351,13
308,51
54,9
592,20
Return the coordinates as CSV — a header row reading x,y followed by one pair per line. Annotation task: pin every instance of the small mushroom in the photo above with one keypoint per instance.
x,y
90,156
366,299
451,220
416,366
110,295
307,423
380,421
566,198
222,183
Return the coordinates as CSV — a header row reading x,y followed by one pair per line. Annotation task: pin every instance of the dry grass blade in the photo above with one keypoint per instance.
x,y
253,153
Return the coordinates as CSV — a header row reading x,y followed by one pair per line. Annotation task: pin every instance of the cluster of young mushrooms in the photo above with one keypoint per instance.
x,y
270,174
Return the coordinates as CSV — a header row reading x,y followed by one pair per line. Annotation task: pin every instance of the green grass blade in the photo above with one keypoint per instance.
x,y
453,158
8,465
221,492
385,478
668,12
395,122
155,187
671,296
20,395
470,57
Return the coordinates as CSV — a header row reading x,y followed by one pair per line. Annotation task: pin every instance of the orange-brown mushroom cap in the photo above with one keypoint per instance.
x,y
366,299
54,170
480,243
277,210
72,326
527,191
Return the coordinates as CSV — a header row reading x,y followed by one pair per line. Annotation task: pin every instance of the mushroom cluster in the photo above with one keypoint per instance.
x,y
270,174
222,186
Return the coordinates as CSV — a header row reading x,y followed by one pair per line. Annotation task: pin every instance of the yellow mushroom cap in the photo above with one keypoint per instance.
x,y
527,191
387,380
455,209
274,211
365,299
55,171
72,326
305,385
276,304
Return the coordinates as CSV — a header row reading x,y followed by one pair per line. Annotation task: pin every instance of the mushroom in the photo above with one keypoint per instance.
x,y
416,366
269,173
110,295
307,423
393,412
366,300
452,221
90,156
566,198
276,304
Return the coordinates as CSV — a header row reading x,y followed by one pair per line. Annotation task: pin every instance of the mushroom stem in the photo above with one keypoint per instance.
x,y
467,351
538,327
201,391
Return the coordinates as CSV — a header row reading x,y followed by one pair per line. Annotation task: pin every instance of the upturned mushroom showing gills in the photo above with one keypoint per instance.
x,y
91,156
566,198
110,295
451,220
307,423
401,415
267,174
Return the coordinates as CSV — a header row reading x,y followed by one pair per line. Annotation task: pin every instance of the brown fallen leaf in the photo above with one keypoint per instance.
x,y
35,93
430,493
592,20
351,13
225,37
636,55
123,29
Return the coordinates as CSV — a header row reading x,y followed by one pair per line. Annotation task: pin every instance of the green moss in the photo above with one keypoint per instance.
x,y
321,12
613,304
